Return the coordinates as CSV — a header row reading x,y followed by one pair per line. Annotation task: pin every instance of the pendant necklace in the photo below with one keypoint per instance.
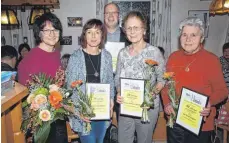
x,y
187,69
96,74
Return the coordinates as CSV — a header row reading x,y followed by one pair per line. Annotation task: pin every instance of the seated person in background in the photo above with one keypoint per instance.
x,y
224,60
64,60
8,58
223,113
23,50
162,51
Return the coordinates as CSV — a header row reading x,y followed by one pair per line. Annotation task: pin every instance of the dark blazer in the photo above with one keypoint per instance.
x,y
123,38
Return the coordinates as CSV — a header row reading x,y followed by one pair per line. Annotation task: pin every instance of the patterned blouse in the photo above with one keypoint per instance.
x,y
225,69
133,66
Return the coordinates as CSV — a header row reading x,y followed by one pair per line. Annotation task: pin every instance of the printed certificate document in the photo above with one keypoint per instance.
x,y
100,100
191,103
132,91
114,48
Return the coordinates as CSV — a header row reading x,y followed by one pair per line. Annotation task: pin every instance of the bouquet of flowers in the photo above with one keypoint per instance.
x,y
149,90
172,96
84,105
47,102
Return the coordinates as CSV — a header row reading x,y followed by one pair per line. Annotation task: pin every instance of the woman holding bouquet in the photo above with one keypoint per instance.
x,y
45,59
199,70
92,64
131,64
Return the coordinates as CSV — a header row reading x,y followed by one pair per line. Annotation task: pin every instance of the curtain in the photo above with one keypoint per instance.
x,y
100,8
227,35
161,21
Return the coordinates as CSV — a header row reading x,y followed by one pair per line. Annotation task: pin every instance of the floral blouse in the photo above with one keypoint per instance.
x,y
133,66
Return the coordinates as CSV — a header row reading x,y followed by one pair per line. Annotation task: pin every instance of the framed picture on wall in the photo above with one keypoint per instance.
x,y
75,21
204,16
66,40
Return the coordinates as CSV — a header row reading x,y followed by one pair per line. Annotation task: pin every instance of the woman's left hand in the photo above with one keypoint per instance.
x,y
157,88
111,107
206,111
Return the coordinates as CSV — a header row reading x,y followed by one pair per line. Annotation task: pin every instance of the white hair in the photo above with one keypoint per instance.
x,y
193,21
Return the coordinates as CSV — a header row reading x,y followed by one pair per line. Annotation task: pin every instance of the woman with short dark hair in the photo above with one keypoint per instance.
x,y
45,59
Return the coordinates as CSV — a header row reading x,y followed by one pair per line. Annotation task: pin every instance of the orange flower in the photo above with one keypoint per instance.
x,y
168,75
55,98
57,106
151,62
76,83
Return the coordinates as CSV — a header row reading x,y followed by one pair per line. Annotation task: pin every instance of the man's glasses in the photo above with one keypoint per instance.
x,y
110,13
48,32
136,29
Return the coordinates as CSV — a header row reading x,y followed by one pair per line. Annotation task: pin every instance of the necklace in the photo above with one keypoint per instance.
x,y
187,67
96,74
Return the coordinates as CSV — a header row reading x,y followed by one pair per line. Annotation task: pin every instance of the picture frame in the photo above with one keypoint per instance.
x,y
188,115
204,16
100,100
75,21
132,92
66,40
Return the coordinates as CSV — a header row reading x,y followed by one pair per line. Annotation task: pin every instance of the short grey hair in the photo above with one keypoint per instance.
x,y
193,21
112,3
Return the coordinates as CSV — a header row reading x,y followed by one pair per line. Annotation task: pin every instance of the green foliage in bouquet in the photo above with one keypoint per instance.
x,y
84,106
172,96
47,102
149,89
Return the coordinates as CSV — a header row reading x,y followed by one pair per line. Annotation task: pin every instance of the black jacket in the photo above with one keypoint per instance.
x,y
6,67
123,37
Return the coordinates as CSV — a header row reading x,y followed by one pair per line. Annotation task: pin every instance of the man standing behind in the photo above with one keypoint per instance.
x,y
116,38
111,20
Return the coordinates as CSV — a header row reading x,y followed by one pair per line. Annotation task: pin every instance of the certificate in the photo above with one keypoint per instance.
x,y
114,48
132,91
100,101
191,103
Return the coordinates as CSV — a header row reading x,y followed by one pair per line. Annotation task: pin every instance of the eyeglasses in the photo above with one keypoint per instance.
x,y
136,29
111,13
48,32
191,36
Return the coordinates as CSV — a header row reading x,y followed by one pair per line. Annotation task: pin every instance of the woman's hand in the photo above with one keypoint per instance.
x,y
206,111
119,98
85,119
158,87
169,110
111,107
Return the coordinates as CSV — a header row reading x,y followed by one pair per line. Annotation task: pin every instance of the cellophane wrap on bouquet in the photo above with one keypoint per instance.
x,y
174,100
148,101
84,106
47,102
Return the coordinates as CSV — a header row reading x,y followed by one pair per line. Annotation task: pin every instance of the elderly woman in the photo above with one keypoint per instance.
x,y
198,70
92,64
131,64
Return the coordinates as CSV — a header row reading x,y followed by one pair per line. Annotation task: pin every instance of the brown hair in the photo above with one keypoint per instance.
x,y
90,24
136,14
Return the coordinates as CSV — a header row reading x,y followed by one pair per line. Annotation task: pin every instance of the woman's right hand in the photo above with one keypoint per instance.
x,y
119,98
169,110
85,119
